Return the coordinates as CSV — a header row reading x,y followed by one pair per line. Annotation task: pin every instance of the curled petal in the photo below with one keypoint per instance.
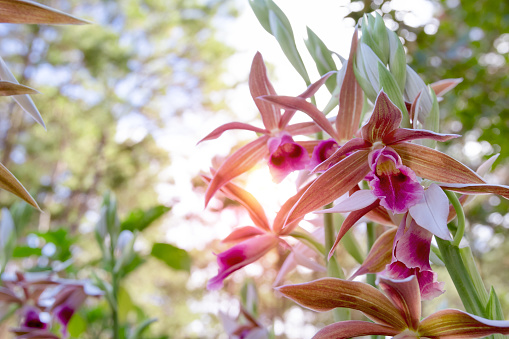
x,y
322,152
10,88
455,324
443,86
501,190
428,284
358,200
354,328
328,293
241,255
351,146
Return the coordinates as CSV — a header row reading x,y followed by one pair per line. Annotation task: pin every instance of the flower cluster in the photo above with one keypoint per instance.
x,y
386,169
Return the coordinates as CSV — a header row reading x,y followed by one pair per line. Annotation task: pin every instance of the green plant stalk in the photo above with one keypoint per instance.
x,y
309,241
333,269
371,236
453,198
114,287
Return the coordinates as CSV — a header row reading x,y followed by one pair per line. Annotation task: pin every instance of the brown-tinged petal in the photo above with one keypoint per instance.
x,y
279,225
232,125
434,165
10,88
9,183
407,134
308,93
332,184
8,296
406,295
501,190
351,99
301,104
242,233
328,293
380,216
386,118
259,84
351,146
309,145
353,329
455,324
247,200
348,223
30,12
236,164
379,256
443,86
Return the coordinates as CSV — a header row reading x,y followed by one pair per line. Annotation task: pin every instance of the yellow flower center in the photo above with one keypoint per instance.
x,y
386,167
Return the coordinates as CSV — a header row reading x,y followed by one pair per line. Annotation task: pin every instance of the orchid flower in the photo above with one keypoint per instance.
x,y
382,130
397,313
276,141
252,242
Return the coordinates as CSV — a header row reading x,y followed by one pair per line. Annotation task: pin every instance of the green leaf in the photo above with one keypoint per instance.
x,y
432,121
25,251
172,256
397,60
379,34
125,304
140,219
322,57
261,12
391,88
493,307
141,327
473,272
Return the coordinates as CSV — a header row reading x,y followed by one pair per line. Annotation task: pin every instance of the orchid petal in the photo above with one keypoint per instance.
x,y
379,256
247,200
455,324
413,112
353,328
9,183
323,150
23,100
407,134
405,294
349,222
29,12
241,255
308,93
229,126
485,166
259,84
434,165
380,216
501,190
358,200
239,162
8,88
242,233
386,118
328,293
443,86
351,146
285,156
351,99
304,106
432,211
332,184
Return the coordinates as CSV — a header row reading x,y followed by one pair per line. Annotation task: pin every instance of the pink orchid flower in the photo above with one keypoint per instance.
x,y
252,242
276,134
397,313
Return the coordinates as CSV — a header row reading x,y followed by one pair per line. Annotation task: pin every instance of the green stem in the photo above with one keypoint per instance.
x,y
309,241
371,236
114,289
453,198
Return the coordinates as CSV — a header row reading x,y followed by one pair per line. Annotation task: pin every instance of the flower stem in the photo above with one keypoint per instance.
x,y
453,198
371,236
